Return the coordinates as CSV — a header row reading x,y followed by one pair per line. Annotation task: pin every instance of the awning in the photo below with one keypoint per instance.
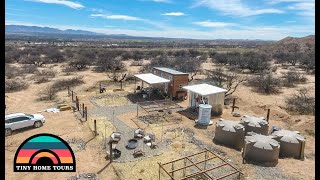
x,y
204,89
151,78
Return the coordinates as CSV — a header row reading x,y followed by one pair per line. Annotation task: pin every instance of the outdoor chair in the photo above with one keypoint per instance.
x,y
137,153
147,139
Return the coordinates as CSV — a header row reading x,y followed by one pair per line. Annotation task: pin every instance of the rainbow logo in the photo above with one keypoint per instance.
x,y
44,153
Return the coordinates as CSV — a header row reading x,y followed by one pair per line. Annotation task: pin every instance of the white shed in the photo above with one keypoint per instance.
x,y
206,94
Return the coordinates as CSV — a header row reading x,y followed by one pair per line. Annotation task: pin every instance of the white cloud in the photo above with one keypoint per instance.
x,y
118,17
235,7
213,24
61,2
173,14
304,9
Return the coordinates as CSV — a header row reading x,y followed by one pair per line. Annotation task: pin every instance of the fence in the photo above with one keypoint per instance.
x,y
83,110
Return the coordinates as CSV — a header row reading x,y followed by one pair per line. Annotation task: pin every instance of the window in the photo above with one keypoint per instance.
x,y
180,86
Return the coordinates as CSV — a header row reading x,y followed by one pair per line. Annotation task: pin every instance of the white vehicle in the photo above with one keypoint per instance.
x,y
22,120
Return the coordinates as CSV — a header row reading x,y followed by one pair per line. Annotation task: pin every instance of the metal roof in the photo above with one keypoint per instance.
x,y
204,89
170,71
151,78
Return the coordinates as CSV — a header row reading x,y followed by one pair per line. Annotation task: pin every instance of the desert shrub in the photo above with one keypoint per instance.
x,y
11,71
292,77
14,85
63,84
29,69
137,63
48,72
69,69
265,83
301,102
274,68
48,93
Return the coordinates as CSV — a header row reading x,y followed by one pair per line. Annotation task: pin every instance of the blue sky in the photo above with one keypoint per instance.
x,y
199,19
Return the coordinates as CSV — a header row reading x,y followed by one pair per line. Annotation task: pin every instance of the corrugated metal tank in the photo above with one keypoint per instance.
x,y
230,133
261,148
292,144
255,124
204,114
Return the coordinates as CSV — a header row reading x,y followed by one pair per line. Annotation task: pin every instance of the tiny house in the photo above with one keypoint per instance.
x,y
177,81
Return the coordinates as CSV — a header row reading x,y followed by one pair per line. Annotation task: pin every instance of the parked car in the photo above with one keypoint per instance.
x,y
21,120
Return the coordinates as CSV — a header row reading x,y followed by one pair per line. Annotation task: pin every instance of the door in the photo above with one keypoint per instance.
x,y
24,122
14,123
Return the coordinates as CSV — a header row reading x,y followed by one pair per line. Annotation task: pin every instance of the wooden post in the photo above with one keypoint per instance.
x,y
137,109
110,149
233,104
86,109
77,103
135,88
82,110
105,136
100,87
121,84
95,128
268,115
159,169
72,95
68,90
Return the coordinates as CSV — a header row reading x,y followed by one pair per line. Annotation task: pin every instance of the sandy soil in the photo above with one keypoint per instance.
x,y
92,159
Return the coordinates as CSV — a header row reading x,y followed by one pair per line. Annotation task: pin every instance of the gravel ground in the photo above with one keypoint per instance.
x,y
126,133
269,173
84,176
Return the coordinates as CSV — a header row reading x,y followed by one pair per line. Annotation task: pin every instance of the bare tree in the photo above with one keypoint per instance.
x,y
227,80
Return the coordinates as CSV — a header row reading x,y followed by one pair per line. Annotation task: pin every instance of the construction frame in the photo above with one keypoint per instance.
x,y
202,173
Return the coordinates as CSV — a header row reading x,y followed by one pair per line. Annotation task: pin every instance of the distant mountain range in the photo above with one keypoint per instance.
x,y
47,32
36,29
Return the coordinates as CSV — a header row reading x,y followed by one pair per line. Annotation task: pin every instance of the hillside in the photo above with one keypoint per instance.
x,y
303,44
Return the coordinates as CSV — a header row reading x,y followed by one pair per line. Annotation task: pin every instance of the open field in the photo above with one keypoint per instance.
x,y
176,139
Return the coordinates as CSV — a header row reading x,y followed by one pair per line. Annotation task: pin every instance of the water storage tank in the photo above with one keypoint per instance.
x,y
291,143
230,133
255,124
204,114
261,148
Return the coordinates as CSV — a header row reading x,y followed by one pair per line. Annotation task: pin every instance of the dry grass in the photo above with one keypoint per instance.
x,y
112,101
